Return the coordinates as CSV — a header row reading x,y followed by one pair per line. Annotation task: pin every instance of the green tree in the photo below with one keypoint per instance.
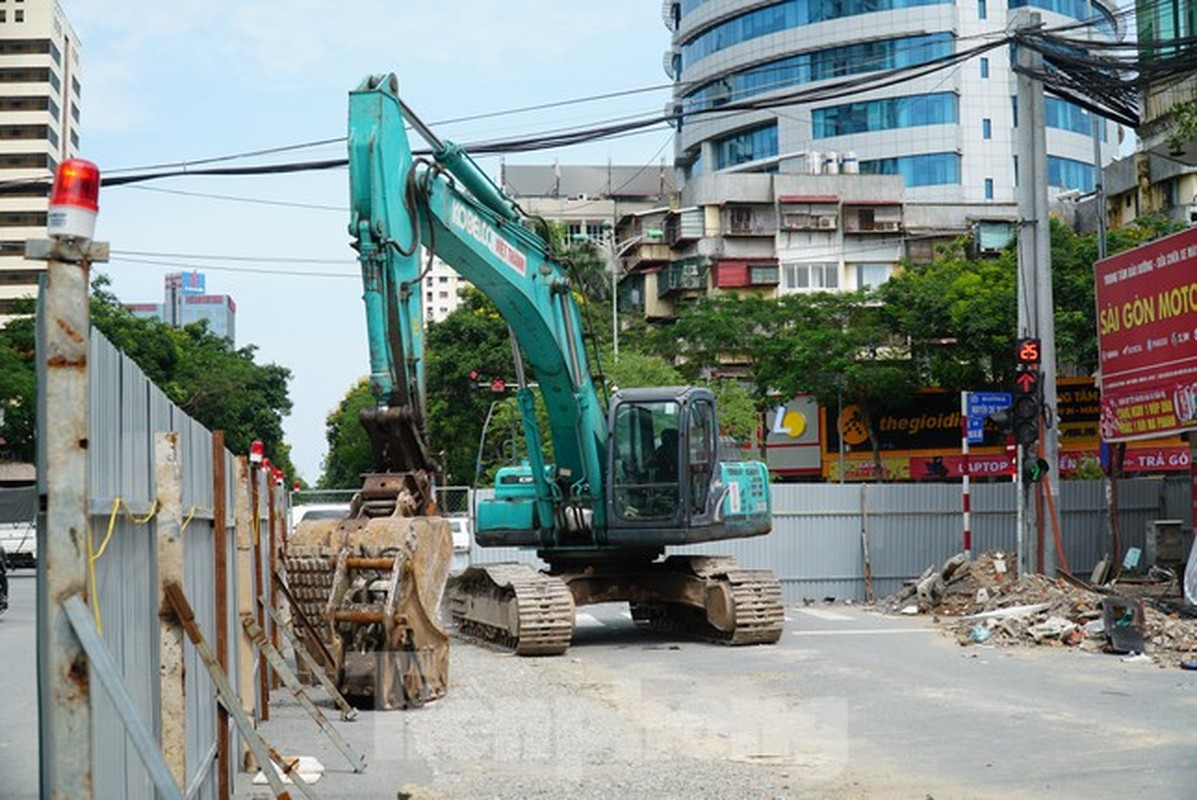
x,y
348,456
473,338
834,345
221,387
18,388
959,316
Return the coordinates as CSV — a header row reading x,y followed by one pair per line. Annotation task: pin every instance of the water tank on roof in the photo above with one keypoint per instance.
x,y
849,165
831,163
814,163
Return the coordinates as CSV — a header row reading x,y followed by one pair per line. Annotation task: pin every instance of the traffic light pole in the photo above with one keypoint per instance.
x,y
1035,302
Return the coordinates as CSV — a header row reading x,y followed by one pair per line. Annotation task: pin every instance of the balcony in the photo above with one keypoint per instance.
x,y
687,275
748,221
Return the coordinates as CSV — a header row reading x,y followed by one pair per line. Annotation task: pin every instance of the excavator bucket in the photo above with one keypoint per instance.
x,y
372,587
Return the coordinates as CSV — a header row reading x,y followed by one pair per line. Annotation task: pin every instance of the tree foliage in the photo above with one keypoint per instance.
x,y
348,456
18,389
218,385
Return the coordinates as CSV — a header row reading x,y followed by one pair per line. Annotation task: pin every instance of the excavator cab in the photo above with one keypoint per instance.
x,y
663,449
668,483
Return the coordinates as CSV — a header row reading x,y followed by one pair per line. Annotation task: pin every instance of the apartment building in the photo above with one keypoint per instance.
x,y
39,127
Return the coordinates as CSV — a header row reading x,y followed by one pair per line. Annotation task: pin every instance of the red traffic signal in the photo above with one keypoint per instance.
x,y
498,386
1027,381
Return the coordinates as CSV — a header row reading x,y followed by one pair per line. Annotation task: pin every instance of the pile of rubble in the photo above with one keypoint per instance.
x,y
982,601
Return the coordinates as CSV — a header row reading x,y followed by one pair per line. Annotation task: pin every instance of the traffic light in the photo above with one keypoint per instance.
x,y
1024,413
1034,470
1025,418
474,379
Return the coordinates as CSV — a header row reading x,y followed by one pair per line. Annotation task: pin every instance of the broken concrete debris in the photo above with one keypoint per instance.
x,y
982,601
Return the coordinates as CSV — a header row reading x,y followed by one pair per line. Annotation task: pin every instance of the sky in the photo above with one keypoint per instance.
x,y
166,83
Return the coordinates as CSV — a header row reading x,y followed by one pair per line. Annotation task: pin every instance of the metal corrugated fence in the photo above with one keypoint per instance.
x,y
126,411
816,548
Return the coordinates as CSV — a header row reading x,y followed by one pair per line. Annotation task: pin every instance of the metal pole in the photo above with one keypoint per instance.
x,y
64,672
614,302
966,474
839,424
1030,117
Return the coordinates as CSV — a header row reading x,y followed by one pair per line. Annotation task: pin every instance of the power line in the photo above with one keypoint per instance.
x,y
236,199
241,270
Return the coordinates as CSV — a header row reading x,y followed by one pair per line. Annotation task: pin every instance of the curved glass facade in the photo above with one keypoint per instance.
x,y
1077,9
834,62
1068,116
743,146
1069,174
782,17
883,115
926,169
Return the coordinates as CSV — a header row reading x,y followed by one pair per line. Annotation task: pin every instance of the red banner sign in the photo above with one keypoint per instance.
x,y
1147,335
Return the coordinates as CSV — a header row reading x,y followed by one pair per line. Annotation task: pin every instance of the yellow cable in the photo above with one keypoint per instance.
x,y
93,556
186,522
153,511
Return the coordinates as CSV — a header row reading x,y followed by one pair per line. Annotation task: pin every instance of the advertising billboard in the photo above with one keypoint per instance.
x,y
1147,339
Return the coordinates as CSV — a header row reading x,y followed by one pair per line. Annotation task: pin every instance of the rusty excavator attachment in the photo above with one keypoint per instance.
x,y
372,584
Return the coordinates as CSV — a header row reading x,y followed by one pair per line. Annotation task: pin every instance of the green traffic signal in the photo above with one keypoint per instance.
x,y
1035,470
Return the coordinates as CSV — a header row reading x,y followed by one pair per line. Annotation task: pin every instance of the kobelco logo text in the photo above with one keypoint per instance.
x,y
470,222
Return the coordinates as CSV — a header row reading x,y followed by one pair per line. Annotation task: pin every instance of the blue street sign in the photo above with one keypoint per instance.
x,y
981,405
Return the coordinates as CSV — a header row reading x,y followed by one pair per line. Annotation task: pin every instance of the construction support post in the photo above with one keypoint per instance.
x,y
64,691
267,587
263,669
220,578
245,590
171,667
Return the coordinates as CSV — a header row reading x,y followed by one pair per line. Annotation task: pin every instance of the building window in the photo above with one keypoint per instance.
x,y
984,67
781,17
989,188
1085,10
810,277
1069,174
1067,116
982,11
878,115
3,15
986,128
819,65
18,15
929,169
870,276
750,145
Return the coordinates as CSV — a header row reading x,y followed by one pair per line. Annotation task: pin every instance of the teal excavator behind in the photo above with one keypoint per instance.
x,y
626,481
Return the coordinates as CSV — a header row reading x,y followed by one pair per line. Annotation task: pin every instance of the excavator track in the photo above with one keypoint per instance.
x,y
513,606
744,606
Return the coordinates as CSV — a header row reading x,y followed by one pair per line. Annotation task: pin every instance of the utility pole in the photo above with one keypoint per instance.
x,y
64,546
1035,302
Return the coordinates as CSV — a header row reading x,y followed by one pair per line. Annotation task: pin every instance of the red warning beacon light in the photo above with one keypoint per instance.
x,y
74,200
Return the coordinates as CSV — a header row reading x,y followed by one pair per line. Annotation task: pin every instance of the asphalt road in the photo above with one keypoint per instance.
x,y
18,689
850,704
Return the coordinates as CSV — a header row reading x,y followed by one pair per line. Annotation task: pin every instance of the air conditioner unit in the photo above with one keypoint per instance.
x,y
691,271
827,223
